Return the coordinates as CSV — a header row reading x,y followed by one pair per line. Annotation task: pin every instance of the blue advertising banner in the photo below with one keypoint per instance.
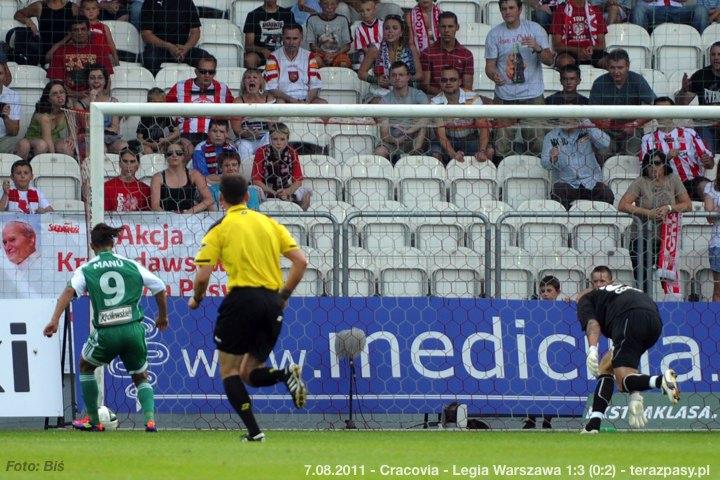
x,y
497,356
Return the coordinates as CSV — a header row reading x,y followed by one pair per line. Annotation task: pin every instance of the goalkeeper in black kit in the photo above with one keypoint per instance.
x,y
630,318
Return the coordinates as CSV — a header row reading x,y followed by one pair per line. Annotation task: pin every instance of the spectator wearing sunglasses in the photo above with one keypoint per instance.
x,y
177,189
201,89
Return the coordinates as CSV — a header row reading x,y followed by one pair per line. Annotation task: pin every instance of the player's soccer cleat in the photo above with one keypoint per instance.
x,y
80,422
669,385
260,437
89,427
591,427
296,386
150,426
585,431
636,411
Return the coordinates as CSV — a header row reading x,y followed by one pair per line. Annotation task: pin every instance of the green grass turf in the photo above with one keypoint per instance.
x,y
285,454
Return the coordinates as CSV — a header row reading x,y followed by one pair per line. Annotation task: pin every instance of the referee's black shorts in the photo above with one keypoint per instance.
x,y
249,321
633,334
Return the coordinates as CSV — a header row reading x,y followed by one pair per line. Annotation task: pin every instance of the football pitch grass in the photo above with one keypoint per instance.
x,y
357,454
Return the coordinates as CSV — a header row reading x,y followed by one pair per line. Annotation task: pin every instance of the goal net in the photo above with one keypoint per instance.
x,y
440,263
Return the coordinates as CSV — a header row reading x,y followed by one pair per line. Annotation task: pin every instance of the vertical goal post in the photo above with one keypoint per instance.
x,y
99,109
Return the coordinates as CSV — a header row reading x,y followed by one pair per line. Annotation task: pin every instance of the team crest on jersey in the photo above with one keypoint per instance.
x,y
293,76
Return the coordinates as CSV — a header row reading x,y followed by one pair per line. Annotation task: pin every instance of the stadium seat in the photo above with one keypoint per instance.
x,y
402,273
151,164
633,39
674,81
57,176
420,180
173,73
6,161
469,11
240,9
324,175
340,85
491,13
676,47
493,209
695,235
442,233
283,212
594,233
127,40
313,284
224,40
698,267
69,205
657,80
619,171
551,80
482,85
231,76
384,233
369,177
214,8
456,274
111,165
541,233
521,177
567,265
588,75
320,229
361,274
344,146
308,131
472,36
28,82
471,182
131,83
618,260
517,277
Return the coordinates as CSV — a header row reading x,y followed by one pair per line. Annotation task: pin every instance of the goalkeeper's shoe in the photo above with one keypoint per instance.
x,y
295,385
80,422
592,427
89,427
669,385
260,437
150,426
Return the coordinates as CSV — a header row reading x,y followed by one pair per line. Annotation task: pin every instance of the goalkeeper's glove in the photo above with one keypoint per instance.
x,y
636,411
592,361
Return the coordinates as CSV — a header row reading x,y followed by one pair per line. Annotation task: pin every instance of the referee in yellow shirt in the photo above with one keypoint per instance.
x,y
249,245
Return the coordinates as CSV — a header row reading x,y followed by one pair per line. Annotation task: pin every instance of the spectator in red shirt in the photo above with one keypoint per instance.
x,y
125,193
579,29
446,52
69,61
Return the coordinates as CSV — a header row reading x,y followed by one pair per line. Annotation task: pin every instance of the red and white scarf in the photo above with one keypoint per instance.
x,y
422,39
590,18
667,257
29,203
211,153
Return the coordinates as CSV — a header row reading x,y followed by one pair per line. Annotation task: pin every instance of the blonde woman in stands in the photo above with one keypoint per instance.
x,y
48,130
395,47
252,133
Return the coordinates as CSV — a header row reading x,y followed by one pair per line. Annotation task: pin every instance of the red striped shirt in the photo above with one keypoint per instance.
x,y
188,91
690,147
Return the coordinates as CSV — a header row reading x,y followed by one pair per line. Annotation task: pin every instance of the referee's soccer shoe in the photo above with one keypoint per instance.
x,y
669,385
295,385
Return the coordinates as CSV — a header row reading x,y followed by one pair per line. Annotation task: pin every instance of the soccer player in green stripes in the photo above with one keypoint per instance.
x,y
115,285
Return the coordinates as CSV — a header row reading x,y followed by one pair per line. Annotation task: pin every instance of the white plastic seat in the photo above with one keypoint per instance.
x,y
369,178
618,260
324,175
541,233
551,80
621,166
6,161
517,275
491,13
68,205
127,40
111,165
567,265
131,83
468,10
402,273
343,146
340,85
588,74
307,130
493,209
320,229
695,236
361,274
420,180
595,233
435,234
224,40
218,7
633,39
283,212
521,177
676,47
313,283
28,82
230,76
173,73
240,9
471,182
57,176
657,81
150,164
456,274
482,85
384,233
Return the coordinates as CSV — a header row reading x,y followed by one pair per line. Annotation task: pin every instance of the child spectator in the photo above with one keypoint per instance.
x,y
155,133
18,195
549,288
328,36
369,31
125,193
276,171
99,32
205,156
229,163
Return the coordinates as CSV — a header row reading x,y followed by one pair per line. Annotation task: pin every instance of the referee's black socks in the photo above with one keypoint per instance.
x,y
240,400
267,377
